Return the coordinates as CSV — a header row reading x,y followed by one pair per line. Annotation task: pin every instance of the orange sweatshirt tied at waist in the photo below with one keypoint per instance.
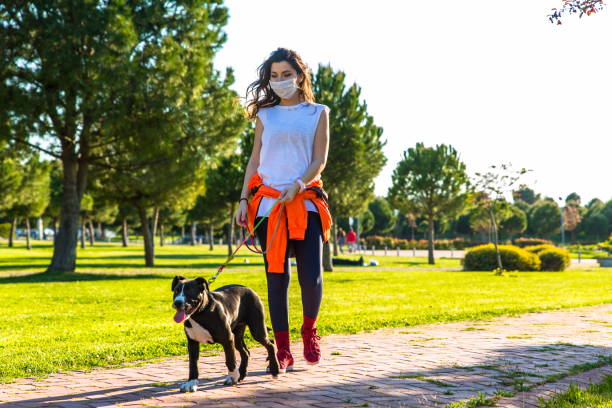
x,y
293,222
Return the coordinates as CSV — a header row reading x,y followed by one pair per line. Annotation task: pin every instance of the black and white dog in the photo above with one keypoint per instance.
x,y
220,316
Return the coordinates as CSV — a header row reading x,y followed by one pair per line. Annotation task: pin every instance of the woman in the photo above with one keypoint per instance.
x,y
289,153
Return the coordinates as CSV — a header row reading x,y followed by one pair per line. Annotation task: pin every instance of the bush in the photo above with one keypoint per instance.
x,y
536,249
524,242
554,259
484,258
5,230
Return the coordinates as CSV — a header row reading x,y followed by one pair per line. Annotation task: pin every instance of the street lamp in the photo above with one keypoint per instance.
x,y
562,226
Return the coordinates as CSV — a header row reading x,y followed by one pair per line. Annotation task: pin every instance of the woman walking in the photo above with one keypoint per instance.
x,y
289,153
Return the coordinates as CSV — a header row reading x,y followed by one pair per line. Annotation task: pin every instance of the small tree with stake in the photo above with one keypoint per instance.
x,y
489,189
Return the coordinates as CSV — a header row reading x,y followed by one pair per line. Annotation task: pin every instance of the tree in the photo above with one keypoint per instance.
x,y
384,219
32,195
490,189
572,218
87,203
206,212
525,194
355,145
164,154
580,7
594,224
224,185
573,199
545,218
515,223
69,73
431,182
10,182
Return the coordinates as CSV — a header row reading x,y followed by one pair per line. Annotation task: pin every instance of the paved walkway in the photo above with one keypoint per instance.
x,y
421,366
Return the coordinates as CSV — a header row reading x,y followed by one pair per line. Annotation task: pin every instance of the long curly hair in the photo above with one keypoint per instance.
x,y
260,90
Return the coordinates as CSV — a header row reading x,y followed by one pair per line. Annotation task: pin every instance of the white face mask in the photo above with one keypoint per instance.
x,y
284,89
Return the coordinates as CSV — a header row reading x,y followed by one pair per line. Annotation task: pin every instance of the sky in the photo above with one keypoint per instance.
x,y
494,79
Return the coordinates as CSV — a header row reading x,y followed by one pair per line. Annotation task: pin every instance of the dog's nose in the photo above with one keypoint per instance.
x,y
179,304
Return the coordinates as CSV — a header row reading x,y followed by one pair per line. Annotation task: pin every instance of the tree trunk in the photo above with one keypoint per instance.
x,y
91,233
193,232
28,244
495,239
334,236
155,221
75,180
430,241
124,232
211,232
54,226
82,234
41,228
327,258
161,234
12,231
182,232
148,237
230,230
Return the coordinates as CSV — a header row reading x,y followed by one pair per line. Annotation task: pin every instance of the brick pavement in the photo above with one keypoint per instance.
x,y
420,366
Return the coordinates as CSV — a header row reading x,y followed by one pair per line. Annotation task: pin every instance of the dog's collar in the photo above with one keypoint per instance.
x,y
198,310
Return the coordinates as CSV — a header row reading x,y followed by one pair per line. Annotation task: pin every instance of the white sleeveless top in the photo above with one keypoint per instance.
x,y
286,146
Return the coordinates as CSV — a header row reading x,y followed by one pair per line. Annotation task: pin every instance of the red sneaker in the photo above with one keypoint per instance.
x,y
312,351
283,354
285,361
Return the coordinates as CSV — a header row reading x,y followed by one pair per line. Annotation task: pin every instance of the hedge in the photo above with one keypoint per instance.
x,y
554,259
484,258
379,242
525,242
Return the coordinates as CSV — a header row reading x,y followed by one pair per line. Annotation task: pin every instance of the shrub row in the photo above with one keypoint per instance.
x,y
533,258
525,242
379,242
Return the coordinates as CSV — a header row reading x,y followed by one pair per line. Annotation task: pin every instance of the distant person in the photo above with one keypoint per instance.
x,y
341,238
351,240
289,153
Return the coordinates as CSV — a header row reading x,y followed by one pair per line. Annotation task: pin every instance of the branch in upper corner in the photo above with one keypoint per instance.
x,y
580,7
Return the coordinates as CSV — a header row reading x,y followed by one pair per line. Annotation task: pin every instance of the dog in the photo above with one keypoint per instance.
x,y
220,316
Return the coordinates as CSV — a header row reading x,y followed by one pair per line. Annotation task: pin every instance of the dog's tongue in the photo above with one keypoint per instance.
x,y
179,316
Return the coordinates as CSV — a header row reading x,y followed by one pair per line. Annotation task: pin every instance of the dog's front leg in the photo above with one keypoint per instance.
x,y
194,353
230,361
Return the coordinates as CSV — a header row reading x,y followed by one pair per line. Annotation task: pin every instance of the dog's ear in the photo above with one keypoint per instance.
x,y
176,281
202,282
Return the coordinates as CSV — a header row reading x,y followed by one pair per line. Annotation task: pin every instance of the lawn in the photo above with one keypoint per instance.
x,y
113,310
595,396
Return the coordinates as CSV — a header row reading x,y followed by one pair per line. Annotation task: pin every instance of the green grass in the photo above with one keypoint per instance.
x,y
595,396
114,310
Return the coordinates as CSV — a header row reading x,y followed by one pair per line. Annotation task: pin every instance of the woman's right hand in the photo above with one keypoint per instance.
x,y
241,214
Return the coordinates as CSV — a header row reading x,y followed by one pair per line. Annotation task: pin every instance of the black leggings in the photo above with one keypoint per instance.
x,y
309,258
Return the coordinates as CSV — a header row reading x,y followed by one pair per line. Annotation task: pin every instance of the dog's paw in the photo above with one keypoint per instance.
x,y
189,386
229,380
232,378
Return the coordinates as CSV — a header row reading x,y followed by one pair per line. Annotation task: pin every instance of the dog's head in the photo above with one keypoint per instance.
x,y
187,296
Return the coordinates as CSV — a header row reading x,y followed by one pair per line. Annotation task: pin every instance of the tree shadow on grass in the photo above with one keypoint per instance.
x,y
75,277
16,264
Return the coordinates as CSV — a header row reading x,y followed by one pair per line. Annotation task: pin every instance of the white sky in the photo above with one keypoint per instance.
x,y
492,78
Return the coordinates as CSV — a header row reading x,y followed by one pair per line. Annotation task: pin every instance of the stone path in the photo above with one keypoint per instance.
x,y
421,366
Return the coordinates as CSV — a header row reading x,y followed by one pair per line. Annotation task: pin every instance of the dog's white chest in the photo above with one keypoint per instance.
x,y
198,333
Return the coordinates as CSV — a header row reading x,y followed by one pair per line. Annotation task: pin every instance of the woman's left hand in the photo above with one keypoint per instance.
x,y
288,194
